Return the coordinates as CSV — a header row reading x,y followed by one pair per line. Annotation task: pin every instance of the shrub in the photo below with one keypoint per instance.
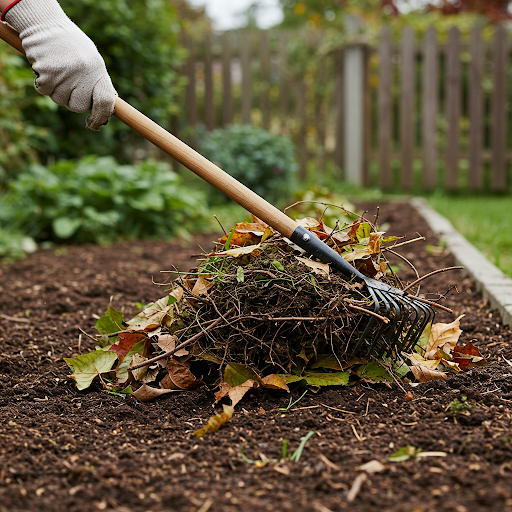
x,y
97,200
260,160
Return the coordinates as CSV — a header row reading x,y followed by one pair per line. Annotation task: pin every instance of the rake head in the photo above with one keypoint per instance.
x,y
407,316
407,319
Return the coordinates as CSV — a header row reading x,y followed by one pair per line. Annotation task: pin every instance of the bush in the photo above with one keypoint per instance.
x,y
139,42
260,160
97,200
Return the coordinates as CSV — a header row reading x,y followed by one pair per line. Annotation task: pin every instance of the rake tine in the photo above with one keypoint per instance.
x,y
385,327
424,314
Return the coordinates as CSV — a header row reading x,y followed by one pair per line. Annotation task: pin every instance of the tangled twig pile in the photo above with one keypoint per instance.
x,y
258,312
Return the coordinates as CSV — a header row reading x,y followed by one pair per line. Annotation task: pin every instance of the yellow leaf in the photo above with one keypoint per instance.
x,y
443,336
215,422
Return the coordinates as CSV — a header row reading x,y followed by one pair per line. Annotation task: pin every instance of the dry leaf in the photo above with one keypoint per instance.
x,y
235,393
239,251
273,381
143,374
167,342
443,336
308,222
146,393
215,422
157,314
424,374
317,267
181,376
202,286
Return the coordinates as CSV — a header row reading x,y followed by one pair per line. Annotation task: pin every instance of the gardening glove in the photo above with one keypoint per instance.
x,y
67,65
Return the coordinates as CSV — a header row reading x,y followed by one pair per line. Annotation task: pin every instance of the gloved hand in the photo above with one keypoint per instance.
x,y
67,65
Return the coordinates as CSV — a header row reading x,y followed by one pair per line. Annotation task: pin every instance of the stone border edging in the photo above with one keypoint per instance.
x,y
490,280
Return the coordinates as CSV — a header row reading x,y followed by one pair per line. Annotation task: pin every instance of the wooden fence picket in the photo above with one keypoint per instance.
x,y
476,109
453,108
407,107
385,107
430,106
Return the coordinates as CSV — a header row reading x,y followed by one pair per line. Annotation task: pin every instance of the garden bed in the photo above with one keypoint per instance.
x,y
69,450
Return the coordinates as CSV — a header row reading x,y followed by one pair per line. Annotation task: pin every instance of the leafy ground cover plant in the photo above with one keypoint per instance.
x,y
262,161
255,313
96,200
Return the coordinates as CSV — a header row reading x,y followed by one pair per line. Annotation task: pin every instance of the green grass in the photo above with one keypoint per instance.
x,y
486,221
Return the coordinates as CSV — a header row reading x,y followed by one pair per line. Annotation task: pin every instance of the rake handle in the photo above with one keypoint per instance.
x,y
184,154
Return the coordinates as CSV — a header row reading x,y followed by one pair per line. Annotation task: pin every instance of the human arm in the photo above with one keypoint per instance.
x,y
67,65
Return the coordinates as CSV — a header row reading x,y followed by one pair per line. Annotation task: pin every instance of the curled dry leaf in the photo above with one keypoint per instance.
x,y
317,267
424,374
215,422
273,381
443,336
147,393
239,251
143,374
201,286
235,393
181,376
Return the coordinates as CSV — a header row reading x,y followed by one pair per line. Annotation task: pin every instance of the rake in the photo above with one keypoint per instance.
x,y
406,316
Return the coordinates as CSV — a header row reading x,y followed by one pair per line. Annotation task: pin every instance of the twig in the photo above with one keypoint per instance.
x,y
408,263
372,313
356,487
339,410
431,274
181,345
89,336
418,239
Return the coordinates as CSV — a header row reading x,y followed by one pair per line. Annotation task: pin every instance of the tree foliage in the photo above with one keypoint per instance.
x,y
496,10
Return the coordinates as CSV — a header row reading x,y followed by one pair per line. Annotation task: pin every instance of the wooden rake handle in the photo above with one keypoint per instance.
x,y
184,154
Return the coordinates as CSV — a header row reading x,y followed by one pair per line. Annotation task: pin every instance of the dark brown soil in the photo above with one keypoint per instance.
x,y
79,451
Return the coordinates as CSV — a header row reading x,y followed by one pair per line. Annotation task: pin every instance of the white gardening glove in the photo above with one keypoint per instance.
x,y
68,66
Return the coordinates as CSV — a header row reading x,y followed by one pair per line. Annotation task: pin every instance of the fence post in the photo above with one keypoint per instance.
x,y
353,88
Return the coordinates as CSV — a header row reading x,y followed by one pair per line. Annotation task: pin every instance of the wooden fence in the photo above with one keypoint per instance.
x,y
423,114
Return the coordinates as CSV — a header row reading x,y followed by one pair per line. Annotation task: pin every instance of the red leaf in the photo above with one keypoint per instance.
x,y
126,342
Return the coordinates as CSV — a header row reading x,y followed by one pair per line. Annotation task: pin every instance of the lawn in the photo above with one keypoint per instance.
x,y
486,221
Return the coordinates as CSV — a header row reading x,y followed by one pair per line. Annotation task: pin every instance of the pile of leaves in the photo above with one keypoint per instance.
x,y
257,312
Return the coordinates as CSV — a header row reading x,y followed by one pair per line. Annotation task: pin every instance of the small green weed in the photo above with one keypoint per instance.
x,y
459,406
294,457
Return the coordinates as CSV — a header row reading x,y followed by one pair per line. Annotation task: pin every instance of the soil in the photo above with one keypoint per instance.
x,y
67,450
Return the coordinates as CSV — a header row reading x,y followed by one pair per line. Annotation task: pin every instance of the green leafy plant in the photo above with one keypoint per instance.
x,y
459,406
97,200
259,159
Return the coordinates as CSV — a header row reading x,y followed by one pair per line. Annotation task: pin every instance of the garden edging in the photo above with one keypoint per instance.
x,y
490,280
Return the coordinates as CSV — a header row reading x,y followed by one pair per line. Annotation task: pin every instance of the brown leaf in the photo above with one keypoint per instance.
x,y
181,376
167,342
143,374
424,374
215,422
317,267
468,355
235,393
146,393
202,286
273,381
